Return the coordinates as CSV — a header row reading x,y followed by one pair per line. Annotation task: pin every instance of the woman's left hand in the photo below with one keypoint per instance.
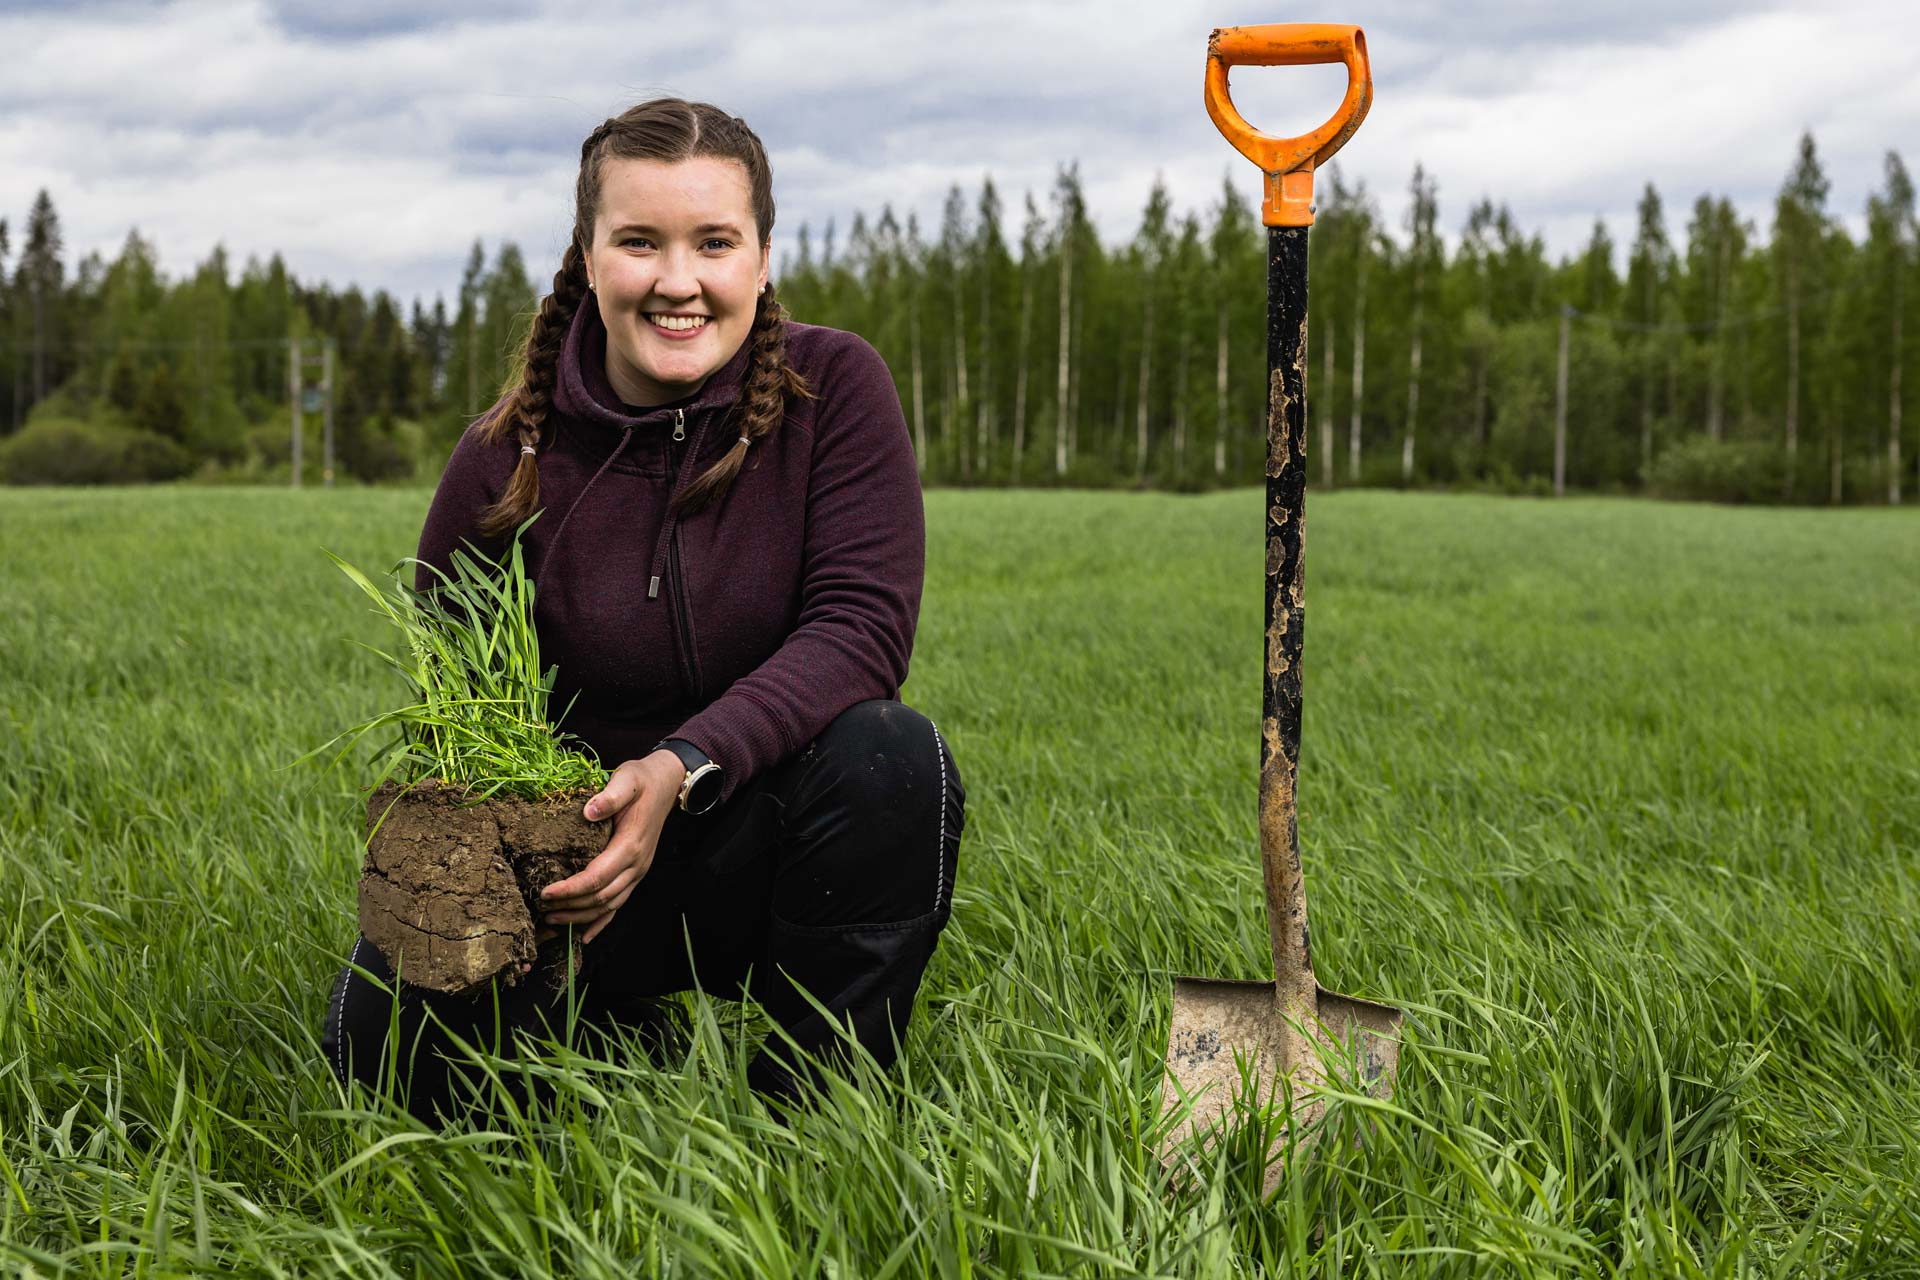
x,y
638,796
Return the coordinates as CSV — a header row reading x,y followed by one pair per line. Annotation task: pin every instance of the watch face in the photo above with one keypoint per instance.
x,y
703,789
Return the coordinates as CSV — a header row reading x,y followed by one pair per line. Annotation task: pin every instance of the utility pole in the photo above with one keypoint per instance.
x,y
293,399
1560,408
321,402
326,390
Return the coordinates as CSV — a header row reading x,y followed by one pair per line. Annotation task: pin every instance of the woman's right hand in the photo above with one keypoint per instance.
x,y
638,797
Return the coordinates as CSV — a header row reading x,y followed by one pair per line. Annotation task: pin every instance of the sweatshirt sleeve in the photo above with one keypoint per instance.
x,y
864,562
472,482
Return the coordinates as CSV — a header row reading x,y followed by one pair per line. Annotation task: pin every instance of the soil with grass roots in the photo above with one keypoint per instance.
x,y
450,888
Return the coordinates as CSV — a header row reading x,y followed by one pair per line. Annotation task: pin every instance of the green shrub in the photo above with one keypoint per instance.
x,y
69,451
1704,470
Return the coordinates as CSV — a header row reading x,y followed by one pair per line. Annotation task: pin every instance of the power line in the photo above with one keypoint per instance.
x,y
145,344
1732,322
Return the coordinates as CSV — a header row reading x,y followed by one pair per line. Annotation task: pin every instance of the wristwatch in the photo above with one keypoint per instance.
x,y
701,790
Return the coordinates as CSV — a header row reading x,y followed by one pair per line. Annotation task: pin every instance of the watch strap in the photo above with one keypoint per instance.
x,y
700,789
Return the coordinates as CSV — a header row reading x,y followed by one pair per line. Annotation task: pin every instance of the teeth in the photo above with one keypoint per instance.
x,y
678,322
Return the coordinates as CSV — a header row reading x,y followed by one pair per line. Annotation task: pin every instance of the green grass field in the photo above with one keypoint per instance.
x,y
1620,800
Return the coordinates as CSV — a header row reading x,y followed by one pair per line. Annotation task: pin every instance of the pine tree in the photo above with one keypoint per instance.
x,y
1032,243
466,330
43,274
1188,281
508,315
952,255
1649,274
1714,246
1477,256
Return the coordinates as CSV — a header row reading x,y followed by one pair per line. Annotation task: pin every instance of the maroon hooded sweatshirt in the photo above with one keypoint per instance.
x,y
746,627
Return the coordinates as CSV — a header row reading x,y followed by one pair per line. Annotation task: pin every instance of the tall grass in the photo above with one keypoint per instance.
x,y
1621,801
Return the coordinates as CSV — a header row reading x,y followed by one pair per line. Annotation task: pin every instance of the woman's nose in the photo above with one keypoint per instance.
x,y
676,277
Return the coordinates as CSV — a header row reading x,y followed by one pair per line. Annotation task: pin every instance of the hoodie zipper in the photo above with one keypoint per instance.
x,y
676,593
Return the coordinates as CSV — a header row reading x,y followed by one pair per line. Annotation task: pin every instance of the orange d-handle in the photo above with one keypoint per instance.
x,y
1288,163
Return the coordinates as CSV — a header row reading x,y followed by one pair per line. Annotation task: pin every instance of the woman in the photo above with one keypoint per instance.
x,y
728,577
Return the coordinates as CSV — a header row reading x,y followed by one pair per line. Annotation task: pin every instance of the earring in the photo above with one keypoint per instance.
x,y
763,288
589,285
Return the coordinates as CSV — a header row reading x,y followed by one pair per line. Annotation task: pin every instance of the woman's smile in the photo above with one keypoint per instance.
x,y
677,326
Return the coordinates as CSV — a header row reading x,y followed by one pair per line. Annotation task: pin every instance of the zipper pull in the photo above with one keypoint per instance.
x,y
679,424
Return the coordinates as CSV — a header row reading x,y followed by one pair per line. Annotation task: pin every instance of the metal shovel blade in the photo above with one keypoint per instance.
x,y
1226,1034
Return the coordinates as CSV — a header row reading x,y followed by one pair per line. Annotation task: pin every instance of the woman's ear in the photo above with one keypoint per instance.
x,y
766,258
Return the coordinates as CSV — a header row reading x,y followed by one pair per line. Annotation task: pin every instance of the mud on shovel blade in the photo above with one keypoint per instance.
x,y
1233,1044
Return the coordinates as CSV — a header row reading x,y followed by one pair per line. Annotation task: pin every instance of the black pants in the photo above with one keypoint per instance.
x,y
830,874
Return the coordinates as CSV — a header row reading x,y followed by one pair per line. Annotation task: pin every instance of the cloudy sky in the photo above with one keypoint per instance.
x,y
371,141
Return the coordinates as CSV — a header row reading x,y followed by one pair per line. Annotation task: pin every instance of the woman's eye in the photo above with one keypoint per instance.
x,y
637,240
724,244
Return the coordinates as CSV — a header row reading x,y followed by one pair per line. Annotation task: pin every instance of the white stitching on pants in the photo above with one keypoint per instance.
x,y
940,853
340,1015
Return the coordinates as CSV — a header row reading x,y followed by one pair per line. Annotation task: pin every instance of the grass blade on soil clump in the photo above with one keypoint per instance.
x,y
471,660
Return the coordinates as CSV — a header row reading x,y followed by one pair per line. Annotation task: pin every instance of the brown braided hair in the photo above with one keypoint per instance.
x,y
669,129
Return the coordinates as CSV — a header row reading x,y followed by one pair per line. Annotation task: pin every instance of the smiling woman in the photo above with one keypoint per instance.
x,y
734,634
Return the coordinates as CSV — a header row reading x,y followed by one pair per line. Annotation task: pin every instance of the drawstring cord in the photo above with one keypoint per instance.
x,y
626,434
667,530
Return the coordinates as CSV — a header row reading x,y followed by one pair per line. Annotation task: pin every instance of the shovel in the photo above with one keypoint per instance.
x,y
1235,1045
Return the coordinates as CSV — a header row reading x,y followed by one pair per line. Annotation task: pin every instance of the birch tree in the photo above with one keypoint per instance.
x,y
1799,224
1890,231
1071,218
1153,244
915,269
1422,254
990,251
1032,243
1233,231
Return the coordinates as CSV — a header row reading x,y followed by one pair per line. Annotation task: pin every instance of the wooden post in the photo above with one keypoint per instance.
x,y
1560,408
326,390
293,398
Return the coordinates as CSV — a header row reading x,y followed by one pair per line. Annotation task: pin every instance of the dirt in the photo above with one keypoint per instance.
x,y
449,889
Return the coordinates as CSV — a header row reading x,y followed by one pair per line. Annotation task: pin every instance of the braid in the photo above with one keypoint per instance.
x,y
763,401
530,398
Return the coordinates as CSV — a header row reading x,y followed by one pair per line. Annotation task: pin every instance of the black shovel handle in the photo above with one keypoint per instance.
x,y
1286,611
1287,165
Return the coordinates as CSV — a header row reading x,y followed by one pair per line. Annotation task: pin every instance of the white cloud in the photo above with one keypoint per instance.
x,y
372,143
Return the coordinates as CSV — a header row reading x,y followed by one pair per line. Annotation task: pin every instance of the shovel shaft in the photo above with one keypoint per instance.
x,y
1280,704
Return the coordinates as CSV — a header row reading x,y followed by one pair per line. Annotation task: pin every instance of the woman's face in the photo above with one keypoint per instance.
x,y
676,266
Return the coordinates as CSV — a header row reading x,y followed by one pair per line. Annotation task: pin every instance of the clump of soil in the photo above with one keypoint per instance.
x,y
450,889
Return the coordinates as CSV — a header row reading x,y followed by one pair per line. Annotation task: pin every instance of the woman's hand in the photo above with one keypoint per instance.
x,y
638,796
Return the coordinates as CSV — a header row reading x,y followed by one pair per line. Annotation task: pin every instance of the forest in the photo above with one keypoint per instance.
x,y
1706,361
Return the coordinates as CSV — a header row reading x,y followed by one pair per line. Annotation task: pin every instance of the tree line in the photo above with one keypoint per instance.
x,y
1706,361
